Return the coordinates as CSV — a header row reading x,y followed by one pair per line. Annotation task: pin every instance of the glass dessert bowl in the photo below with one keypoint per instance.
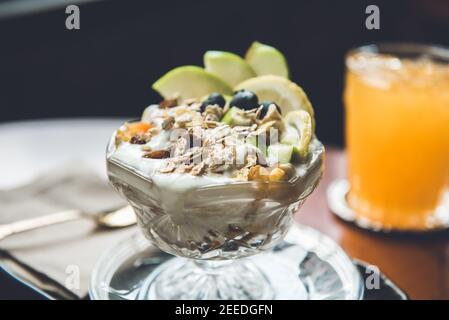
x,y
213,226
216,179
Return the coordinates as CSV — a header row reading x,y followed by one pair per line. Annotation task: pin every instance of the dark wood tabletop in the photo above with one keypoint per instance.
x,y
418,264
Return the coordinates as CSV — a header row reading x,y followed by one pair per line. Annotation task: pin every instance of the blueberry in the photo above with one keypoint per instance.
x,y
214,98
245,100
266,105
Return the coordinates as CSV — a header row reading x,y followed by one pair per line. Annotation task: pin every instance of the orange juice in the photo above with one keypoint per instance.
x,y
397,135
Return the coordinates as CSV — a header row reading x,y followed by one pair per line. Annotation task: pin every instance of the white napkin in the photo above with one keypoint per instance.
x,y
65,253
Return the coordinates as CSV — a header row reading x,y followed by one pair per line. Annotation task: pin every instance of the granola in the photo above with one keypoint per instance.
x,y
193,138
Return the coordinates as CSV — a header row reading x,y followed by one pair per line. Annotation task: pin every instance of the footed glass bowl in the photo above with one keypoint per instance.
x,y
213,227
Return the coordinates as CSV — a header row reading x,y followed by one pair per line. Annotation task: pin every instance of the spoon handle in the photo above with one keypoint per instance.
x,y
43,221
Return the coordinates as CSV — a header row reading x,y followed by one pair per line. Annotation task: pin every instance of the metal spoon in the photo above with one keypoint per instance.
x,y
111,219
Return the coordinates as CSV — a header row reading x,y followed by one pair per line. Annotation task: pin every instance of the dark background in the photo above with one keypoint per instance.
x,y
106,68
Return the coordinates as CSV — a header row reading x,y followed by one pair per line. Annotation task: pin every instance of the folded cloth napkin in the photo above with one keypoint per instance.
x,y
59,259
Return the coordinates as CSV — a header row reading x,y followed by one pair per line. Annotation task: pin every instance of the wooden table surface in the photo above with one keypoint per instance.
x,y
417,264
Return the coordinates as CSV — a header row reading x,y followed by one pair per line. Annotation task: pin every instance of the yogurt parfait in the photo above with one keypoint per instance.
x,y
218,168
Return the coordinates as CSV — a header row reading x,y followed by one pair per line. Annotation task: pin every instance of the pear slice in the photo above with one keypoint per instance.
x,y
188,82
265,59
230,67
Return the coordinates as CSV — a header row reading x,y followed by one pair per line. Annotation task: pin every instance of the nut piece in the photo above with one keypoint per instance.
x,y
168,103
198,169
157,154
288,168
210,124
168,123
213,113
244,117
241,174
277,174
258,173
170,167
183,168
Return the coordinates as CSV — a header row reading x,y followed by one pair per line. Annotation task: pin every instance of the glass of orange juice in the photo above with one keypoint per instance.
x,y
397,135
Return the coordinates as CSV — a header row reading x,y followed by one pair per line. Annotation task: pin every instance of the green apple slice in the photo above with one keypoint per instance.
x,y
280,153
285,93
229,116
298,132
189,82
230,67
265,59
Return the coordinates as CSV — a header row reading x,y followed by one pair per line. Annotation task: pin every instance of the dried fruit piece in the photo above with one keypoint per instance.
x,y
137,139
138,127
157,154
129,130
